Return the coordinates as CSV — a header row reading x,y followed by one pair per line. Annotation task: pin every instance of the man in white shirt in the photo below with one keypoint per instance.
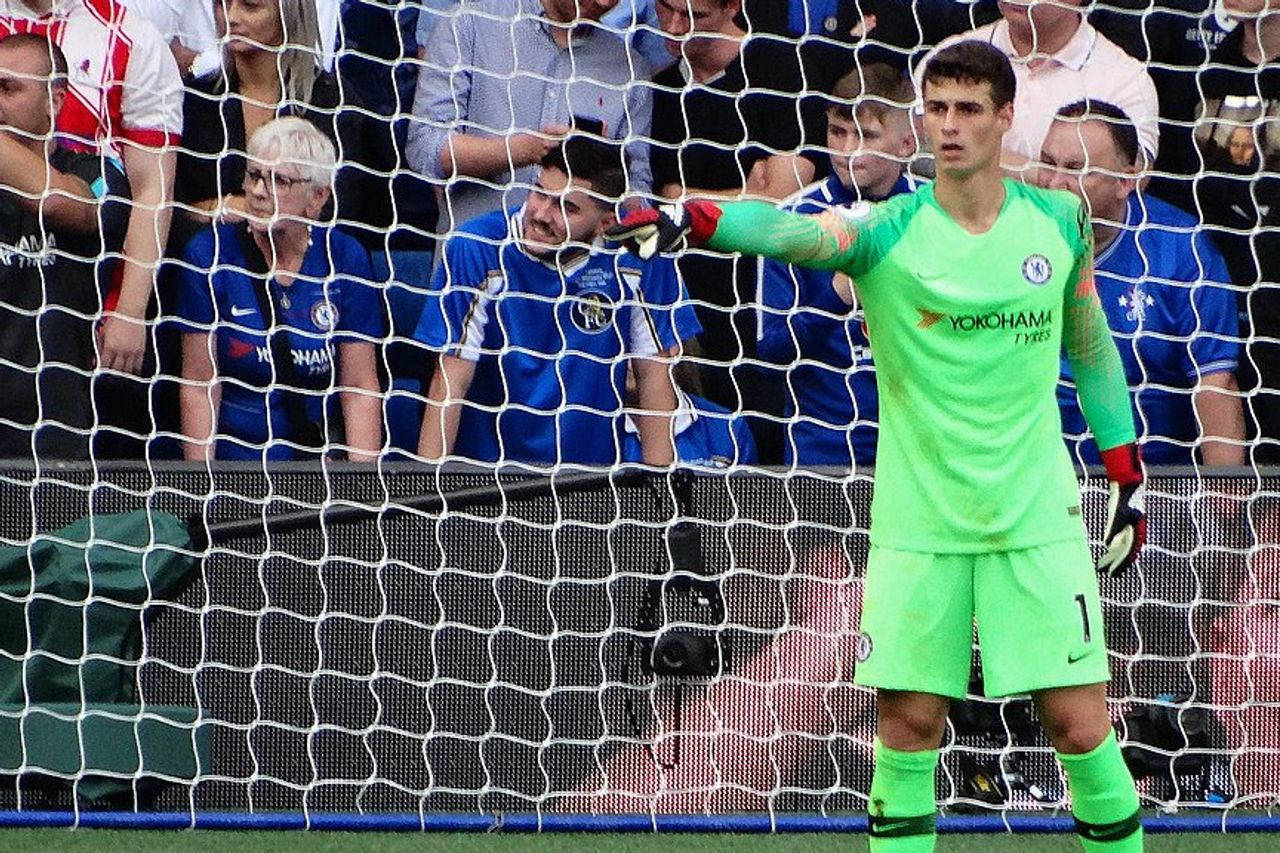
x,y
1059,59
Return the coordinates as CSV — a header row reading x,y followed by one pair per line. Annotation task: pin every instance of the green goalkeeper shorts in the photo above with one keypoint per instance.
x,y
1038,613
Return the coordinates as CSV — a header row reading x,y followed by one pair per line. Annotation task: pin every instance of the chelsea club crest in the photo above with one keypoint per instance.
x,y
324,315
592,312
1036,269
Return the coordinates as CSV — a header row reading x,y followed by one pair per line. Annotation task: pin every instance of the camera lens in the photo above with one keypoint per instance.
x,y
673,655
685,652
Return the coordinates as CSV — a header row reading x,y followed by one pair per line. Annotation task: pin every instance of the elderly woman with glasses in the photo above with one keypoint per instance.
x,y
277,314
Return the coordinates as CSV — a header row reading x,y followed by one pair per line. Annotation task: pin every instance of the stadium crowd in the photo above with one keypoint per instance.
x,y
248,229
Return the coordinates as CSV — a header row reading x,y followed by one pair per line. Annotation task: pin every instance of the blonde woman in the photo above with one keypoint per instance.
x,y
278,316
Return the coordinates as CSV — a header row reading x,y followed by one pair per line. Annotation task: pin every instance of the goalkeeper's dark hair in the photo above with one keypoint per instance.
x,y
590,158
873,90
42,45
1124,134
973,61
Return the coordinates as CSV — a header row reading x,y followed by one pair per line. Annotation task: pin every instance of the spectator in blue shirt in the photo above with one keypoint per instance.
x,y
707,434
831,405
1166,293
535,323
279,283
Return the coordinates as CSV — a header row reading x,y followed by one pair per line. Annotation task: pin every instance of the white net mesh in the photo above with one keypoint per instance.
x,y
499,656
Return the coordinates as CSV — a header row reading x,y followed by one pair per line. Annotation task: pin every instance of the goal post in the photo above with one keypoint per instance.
x,y
401,645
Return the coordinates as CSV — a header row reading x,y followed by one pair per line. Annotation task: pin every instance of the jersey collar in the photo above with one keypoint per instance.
x,y
1133,215
838,194
1074,54
926,189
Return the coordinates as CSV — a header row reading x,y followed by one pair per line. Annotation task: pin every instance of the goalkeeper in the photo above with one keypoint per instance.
x,y
972,286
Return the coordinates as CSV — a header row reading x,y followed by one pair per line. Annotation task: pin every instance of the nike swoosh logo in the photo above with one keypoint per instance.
x,y
237,311
1079,657
897,824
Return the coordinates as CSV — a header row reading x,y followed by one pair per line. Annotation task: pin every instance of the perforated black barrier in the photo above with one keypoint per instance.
x,y
491,660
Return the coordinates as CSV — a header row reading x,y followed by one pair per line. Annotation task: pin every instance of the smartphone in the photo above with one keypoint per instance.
x,y
582,124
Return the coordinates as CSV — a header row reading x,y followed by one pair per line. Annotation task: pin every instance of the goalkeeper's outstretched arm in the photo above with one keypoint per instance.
x,y
826,241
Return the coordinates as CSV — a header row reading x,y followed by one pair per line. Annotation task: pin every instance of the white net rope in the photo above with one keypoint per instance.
x,y
498,656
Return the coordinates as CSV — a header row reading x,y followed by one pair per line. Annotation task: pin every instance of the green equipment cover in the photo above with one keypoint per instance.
x,y
72,610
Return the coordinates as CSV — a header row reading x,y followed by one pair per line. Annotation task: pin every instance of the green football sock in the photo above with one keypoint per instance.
x,y
901,813
1104,799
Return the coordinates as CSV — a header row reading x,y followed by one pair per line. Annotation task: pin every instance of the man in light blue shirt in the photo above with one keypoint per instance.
x,y
503,82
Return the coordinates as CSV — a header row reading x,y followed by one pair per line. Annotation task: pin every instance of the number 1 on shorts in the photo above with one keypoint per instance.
x,y
1084,616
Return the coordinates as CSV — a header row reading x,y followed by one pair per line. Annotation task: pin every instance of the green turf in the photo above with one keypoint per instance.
x,y
57,840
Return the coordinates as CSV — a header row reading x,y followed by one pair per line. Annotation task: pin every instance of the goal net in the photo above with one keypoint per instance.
x,y
654,644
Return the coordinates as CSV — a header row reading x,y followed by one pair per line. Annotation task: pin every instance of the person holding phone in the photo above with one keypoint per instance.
x,y
481,123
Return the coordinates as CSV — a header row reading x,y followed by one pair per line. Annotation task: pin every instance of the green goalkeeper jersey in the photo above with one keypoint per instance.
x,y
966,331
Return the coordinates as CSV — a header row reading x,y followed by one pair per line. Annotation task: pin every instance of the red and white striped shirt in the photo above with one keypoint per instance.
x,y
124,82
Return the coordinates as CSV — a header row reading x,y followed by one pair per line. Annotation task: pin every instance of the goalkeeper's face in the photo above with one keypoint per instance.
x,y
964,126
560,213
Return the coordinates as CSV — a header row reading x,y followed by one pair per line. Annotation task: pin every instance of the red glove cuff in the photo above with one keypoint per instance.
x,y
703,218
1123,464
636,218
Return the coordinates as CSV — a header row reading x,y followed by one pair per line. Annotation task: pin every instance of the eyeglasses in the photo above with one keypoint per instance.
x,y
282,183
